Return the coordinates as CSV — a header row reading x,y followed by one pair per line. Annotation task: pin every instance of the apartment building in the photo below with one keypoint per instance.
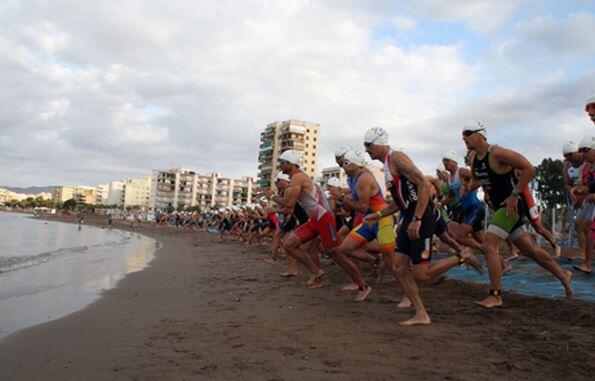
x,y
281,136
136,192
180,188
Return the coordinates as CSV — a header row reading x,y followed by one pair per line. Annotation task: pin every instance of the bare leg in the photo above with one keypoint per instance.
x,y
543,259
339,256
542,231
399,264
490,248
292,247
588,252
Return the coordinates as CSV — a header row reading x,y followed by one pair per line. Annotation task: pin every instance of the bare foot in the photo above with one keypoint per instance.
x,y
314,278
584,268
506,267
363,294
490,302
318,284
289,273
417,320
557,251
405,303
350,287
472,260
270,261
567,283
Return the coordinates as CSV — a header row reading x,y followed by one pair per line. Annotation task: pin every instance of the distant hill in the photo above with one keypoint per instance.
x,y
33,190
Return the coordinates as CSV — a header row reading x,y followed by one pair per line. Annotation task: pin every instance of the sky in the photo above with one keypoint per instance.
x,y
94,91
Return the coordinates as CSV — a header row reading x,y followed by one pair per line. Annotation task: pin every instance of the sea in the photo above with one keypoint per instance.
x,y
51,269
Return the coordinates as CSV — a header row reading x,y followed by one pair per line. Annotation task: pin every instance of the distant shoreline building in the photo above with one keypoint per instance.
x,y
182,188
281,136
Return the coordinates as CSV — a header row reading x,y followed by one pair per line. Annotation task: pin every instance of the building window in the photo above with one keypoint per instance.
x,y
307,138
307,145
314,146
312,162
314,139
308,130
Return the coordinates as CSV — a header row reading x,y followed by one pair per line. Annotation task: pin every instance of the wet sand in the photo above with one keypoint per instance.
x,y
210,310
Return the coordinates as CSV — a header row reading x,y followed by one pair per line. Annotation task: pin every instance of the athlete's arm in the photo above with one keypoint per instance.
x,y
292,192
567,181
526,171
391,209
362,188
473,184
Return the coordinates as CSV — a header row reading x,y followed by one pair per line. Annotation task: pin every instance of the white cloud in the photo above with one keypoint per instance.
x,y
111,89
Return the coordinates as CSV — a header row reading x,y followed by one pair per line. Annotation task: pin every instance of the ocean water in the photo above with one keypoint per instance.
x,y
528,278
51,269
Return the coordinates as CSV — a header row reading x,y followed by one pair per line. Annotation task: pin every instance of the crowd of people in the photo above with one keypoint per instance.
x,y
355,224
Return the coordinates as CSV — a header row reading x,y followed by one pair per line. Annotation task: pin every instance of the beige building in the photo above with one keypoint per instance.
x,y
63,193
101,194
329,172
180,188
136,192
281,136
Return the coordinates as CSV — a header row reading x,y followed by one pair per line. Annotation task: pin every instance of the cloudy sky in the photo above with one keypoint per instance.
x,y
100,90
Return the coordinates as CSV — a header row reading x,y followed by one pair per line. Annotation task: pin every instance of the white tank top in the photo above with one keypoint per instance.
x,y
314,203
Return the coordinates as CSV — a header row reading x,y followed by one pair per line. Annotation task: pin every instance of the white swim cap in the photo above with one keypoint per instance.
x,y
291,156
450,155
476,126
282,177
569,147
354,157
263,199
334,182
586,142
377,136
590,99
343,184
342,151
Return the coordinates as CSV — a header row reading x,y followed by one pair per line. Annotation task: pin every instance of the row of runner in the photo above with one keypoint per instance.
x,y
357,225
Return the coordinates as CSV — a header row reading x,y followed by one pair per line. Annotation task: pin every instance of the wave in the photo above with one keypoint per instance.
x,y
17,263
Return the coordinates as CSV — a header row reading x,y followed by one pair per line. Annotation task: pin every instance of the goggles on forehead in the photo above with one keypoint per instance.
x,y
468,133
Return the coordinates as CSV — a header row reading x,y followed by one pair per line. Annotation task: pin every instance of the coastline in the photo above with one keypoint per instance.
x,y
204,309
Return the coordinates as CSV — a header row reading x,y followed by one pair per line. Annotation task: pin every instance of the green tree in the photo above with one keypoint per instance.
x,y
551,190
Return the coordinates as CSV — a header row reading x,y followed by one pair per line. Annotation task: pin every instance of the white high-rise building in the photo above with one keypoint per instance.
x,y
181,188
136,192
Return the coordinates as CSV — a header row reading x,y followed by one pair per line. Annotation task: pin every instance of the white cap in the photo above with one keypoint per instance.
x,y
440,169
343,184
263,199
590,99
292,157
342,151
221,210
355,157
282,177
569,147
334,182
450,155
586,142
377,136
476,126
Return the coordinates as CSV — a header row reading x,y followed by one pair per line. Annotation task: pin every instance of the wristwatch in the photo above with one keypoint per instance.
x,y
416,218
515,192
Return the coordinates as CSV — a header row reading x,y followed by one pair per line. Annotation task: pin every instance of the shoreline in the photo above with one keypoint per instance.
x,y
47,284
204,309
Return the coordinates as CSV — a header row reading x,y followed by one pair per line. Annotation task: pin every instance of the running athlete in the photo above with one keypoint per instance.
x,y
321,222
410,191
493,169
366,197
468,228
585,190
590,106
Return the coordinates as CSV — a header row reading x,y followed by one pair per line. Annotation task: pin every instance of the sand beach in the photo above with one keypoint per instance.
x,y
209,310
